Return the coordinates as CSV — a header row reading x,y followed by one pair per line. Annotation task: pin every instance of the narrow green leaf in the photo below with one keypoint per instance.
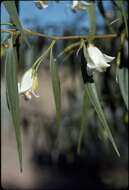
x,y
124,14
122,75
92,93
83,119
11,9
125,20
92,19
12,94
56,86
40,59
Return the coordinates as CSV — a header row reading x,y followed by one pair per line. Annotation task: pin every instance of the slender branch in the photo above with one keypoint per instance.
x,y
67,49
29,32
106,36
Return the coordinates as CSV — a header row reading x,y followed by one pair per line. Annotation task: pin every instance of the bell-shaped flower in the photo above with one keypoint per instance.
x,y
41,4
28,85
80,5
96,60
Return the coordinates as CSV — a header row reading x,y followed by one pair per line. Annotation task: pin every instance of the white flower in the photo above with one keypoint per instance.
x,y
80,5
28,85
96,60
41,4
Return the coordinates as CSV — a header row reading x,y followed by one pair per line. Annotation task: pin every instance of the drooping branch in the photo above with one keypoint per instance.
x,y
75,37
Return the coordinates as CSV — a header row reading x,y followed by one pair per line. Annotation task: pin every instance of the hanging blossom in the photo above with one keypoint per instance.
x,y
80,5
96,60
41,4
28,85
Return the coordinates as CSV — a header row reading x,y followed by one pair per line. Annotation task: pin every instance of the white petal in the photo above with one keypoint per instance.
x,y
83,5
89,60
45,6
95,55
104,64
108,58
41,4
26,82
102,67
75,3
97,60
86,3
80,5
91,66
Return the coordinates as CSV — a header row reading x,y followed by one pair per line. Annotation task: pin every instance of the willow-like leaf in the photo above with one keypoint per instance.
x,y
92,94
12,11
124,14
122,76
12,94
56,86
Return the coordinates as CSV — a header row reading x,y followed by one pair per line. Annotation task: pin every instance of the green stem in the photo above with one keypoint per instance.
x,y
40,59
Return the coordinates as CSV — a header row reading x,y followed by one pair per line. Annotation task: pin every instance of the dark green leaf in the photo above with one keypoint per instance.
x,y
122,76
12,94
92,93
56,86
124,14
93,96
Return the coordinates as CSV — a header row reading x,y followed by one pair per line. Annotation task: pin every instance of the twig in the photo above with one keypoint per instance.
x,y
106,36
77,37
